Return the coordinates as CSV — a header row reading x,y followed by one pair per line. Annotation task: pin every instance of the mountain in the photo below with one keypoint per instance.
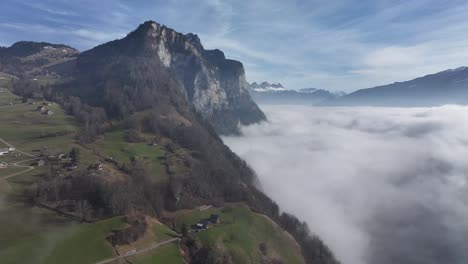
x,y
214,85
149,109
266,93
266,87
446,87
26,58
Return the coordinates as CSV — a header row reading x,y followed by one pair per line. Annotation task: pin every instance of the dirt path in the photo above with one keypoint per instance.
x,y
141,251
17,164
17,150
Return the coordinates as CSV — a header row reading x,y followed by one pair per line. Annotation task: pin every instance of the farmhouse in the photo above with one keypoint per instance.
x,y
202,225
214,219
206,223
41,108
71,166
98,166
11,149
4,151
63,156
154,142
41,163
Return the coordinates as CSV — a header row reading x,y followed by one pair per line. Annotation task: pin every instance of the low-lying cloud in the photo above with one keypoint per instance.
x,y
379,185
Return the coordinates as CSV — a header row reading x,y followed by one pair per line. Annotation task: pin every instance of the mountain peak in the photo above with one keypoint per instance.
x,y
457,69
214,85
266,87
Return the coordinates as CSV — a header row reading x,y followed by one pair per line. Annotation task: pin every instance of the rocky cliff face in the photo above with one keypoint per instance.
x,y
216,86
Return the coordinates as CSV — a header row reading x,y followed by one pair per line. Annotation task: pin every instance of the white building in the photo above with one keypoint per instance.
x,y
4,151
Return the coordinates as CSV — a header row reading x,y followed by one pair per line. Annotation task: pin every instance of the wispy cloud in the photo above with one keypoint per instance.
x,y
98,36
51,10
341,45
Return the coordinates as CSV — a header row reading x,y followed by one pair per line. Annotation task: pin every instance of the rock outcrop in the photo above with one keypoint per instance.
x,y
216,86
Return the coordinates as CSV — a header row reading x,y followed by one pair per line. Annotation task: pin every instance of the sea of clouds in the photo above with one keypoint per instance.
x,y
378,185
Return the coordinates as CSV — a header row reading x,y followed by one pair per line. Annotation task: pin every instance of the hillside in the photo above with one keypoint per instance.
x,y
53,238
446,87
143,147
33,59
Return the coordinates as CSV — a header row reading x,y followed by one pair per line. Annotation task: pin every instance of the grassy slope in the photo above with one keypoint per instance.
x,y
38,236
10,170
241,231
33,235
114,145
166,254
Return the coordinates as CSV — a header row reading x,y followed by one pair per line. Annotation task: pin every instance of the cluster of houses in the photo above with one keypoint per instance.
x,y
98,166
206,223
6,151
57,157
60,157
154,142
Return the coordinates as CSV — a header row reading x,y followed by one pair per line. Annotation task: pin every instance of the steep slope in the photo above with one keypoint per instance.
x,y
266,93
447,87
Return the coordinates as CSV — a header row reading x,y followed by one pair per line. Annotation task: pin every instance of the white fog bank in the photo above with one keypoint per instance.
x,y
378,185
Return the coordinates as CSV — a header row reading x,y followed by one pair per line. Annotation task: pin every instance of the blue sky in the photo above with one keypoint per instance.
x,y
336,45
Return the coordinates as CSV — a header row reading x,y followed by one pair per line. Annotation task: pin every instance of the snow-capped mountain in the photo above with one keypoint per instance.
x,y
266,87
276,93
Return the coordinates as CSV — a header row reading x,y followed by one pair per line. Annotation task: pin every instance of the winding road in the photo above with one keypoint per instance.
x,y
17,164
17,150
141,251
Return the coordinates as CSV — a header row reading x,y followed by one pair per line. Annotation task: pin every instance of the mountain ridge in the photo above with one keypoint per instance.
x,y
444,87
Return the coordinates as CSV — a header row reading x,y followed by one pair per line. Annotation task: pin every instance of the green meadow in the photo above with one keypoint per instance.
x,y
241,232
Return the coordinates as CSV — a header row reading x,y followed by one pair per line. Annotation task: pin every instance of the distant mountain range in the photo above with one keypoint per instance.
x,y
446,87
276,93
